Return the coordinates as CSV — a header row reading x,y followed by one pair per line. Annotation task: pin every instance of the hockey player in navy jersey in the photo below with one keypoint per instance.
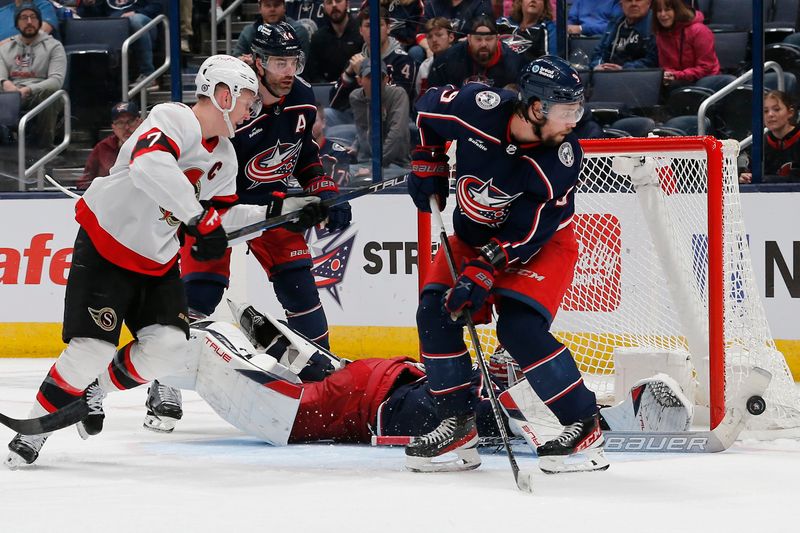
x,y
272,148
517,167
177,169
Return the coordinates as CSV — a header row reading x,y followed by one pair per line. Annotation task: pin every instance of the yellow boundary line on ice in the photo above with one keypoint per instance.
x,y
354,342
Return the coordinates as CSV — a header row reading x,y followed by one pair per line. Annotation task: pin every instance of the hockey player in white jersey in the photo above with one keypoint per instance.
x,y
178,169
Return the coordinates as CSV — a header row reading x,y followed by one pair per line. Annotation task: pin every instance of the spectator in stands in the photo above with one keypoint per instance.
x,y
685,45
187,32
124,119
405,22
531,22
34,65
309,13
8,8
628,42
394,118
781,142
335,155
402,70
461,13
591,17
139,13
482,58
334,43
270,12
439,37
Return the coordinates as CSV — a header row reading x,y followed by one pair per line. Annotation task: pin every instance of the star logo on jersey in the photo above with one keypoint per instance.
x,y
482,202
274,164
330,253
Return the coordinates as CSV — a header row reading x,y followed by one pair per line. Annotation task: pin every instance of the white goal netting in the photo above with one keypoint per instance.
x,y
646,266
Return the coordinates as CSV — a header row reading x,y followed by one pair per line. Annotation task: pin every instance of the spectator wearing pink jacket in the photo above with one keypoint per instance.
x,y
685,45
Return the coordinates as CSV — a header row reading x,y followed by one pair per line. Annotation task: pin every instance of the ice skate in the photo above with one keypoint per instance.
x,y
163,408
456,434
579,448
93,423
24,450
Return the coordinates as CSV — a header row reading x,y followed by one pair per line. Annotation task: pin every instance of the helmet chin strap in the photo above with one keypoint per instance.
x,y
226,114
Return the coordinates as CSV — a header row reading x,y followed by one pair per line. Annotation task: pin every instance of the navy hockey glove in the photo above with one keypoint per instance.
x,y
310,211
471,288
210,239
339,216
429,176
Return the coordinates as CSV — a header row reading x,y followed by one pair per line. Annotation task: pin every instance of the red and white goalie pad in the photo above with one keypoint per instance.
x,y
249,390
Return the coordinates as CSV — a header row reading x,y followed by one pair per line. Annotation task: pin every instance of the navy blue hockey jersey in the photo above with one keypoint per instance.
x,y
516,194
277,145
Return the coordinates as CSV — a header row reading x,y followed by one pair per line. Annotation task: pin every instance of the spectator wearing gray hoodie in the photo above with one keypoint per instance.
x,y
34,65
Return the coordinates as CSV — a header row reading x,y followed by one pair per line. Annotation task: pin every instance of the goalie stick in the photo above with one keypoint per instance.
x,y
64,417
523,479
342,198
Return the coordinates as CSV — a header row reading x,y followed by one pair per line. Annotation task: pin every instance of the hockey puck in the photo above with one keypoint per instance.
x,y
756,405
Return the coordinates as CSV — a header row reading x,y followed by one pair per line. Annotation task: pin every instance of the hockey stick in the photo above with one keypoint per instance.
x,y
64,417
523,479
61,188
342,198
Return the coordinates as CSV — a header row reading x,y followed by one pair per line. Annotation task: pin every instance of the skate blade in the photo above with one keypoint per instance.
x,y
467,459
14,461
587,461
159,425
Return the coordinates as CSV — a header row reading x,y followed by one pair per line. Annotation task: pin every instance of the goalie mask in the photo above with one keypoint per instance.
x,y
277,49
233,73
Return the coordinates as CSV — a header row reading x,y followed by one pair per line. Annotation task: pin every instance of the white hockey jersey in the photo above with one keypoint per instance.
x,y
162,171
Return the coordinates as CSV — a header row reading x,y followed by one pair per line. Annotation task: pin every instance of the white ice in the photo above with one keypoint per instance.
x,y
207,476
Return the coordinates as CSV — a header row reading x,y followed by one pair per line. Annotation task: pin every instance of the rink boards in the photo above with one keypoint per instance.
x,y
367,275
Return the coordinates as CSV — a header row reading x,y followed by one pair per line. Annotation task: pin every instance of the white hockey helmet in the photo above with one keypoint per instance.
x,y
234,73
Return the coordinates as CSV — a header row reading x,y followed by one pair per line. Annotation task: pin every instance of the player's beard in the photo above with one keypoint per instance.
x,y
276,87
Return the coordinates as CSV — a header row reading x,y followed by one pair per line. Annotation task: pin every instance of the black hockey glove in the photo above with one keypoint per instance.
x,y
471,289
339,216
429,176
310,211
210,239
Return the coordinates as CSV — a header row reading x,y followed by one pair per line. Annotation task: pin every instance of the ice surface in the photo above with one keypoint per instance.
x,y
207,476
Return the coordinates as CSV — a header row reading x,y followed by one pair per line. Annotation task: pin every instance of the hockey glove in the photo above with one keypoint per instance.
x,y
310,211
339,216
429,176
211,241
471,288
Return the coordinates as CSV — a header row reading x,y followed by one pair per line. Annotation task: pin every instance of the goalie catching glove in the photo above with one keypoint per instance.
x,y
429,176
325,188
211,241
311,211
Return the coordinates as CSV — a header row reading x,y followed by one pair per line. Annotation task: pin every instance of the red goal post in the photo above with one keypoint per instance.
x,y
664,272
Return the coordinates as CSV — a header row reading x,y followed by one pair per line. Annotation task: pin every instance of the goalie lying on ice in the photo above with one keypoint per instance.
x,y
252,379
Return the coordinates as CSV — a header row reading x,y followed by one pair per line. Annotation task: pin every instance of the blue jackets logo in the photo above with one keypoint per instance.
x,y
274,164
330,253
482,202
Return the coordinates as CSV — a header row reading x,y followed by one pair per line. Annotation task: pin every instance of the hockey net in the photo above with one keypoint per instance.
x,y
665,272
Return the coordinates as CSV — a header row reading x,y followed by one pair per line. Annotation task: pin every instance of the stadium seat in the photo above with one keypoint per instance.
x,y
322,93
613,133
686,101
789,82
786,55
87,35
731,47
687,124
633,88
728,116
635,126
785,13
9,109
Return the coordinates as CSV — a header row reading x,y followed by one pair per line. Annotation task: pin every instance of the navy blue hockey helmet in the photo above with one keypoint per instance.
x,y
278,40
551,80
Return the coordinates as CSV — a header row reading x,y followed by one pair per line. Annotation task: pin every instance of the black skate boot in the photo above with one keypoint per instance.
x,y
24,450
93,423
163,408
455,434
581,443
